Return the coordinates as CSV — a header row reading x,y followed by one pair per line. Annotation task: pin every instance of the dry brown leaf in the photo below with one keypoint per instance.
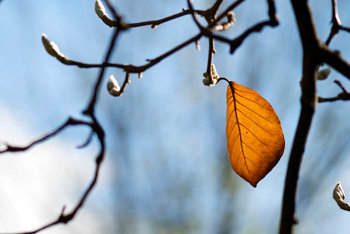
x,y
255,140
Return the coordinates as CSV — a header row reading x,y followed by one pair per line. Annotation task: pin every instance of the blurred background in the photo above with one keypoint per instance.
x,y
166,168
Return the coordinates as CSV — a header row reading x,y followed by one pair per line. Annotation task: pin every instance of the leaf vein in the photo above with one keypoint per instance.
x,y
268,120
255,122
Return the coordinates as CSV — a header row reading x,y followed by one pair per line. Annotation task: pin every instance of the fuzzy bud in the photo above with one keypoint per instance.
x,y
324,73
339,196
113,87
100,9
211,80
51,48
101,12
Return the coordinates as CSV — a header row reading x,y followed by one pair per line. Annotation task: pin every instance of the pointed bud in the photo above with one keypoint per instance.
x,y
100,9
101,12
339,196
51,48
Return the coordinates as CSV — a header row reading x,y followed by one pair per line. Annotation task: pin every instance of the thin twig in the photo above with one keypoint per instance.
x,y
87,141
65,218
336,23
69,122
91,107
132,68
344,95
155,23
224,14
273,22
335,60
209,72
126,81
191,10
235,43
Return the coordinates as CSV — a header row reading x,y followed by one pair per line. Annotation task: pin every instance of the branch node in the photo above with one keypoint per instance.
x,y
210,79
226,25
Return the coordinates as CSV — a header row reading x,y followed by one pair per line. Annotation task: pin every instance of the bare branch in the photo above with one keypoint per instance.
x,y
235,43
224,14
65,218
91,107
336,23
119,22
155,23
88,141
209,78
344,95
334,59
152,62
310,42
214,9
132,68
69,122
190,6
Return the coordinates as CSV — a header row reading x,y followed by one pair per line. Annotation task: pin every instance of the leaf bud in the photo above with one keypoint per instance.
x,y
324,73
100,9
101,12
51,47
339,196
198,46
113,87
211,79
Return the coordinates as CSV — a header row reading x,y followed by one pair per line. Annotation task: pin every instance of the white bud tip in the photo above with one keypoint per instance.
x,y
339,196
113,86
100,9
51,47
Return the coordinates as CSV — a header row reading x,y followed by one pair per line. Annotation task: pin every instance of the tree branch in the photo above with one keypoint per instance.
x,y
335,60
155,23
310,42
235,43
336,23
344,95
69,122
91,106
132,68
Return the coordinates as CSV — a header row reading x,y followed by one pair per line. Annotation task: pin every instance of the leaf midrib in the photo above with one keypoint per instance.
x,y
239,126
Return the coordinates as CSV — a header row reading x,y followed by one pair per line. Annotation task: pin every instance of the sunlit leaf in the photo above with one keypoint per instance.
x,y
255,140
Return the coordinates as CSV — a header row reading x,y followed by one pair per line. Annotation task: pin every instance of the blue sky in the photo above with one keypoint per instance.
x,y
166,134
